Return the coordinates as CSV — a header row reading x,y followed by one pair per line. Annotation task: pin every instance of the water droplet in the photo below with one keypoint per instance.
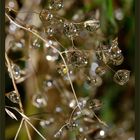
x,y
102,133
39,100
121,77
72,103
46,16
70,30
12,96
50,31
46,123
100,70
94,104
72,125
95,81
81,129
16,71
55,4
103,54
92,25
116,56
77,58
51,54
58,109
48,83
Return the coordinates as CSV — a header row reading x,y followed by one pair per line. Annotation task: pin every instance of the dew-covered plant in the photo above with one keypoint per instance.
x,y
52,55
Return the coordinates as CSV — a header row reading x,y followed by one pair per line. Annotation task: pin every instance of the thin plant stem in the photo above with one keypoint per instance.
x,y
19,129
14,83
100,121
36,130
72,114
27,130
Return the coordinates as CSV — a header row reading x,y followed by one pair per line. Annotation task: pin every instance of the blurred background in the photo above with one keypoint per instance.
x,y
47,76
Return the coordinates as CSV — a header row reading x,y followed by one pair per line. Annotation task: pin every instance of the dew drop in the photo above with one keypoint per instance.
x,y
116,56
50,31
72,103
70,30
12,96
16,71
51,54
100,70
45,16
39,100
92,25
94,104
77,58
55,4
103,53
121,77
48,83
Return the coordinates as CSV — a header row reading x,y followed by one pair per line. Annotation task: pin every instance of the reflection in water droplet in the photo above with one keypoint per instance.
x,y
16,71
39,100
121,77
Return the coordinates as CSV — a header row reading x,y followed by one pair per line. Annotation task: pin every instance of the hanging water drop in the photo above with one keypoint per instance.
x,y
16,71
46,16
121,77
116,56
12,96
70,30
77,58
55,4
100,70
103,54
